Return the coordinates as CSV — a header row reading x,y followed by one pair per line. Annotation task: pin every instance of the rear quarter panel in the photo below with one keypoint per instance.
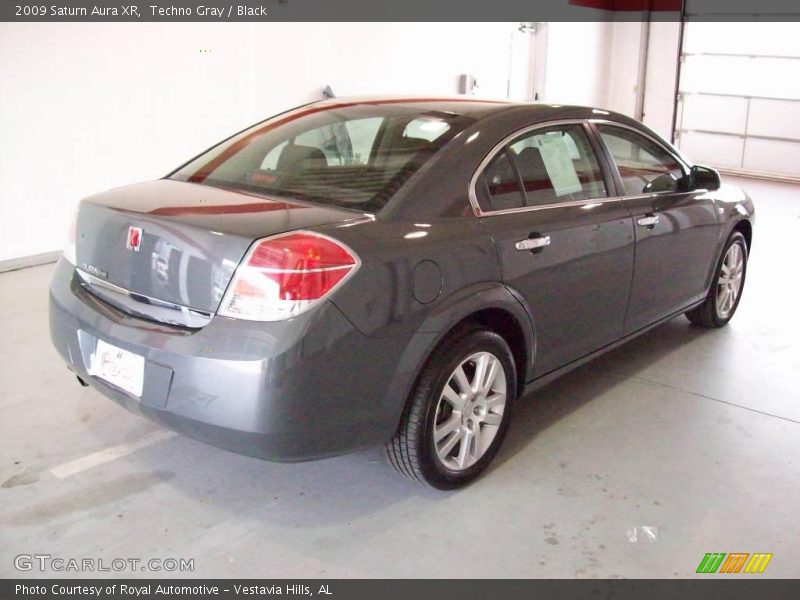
x,y
410,269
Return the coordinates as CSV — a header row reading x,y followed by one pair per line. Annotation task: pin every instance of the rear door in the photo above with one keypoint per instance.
x,y
563,242
677,231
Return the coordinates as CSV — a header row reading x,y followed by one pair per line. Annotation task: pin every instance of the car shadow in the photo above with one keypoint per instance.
x,y
352,487
537,410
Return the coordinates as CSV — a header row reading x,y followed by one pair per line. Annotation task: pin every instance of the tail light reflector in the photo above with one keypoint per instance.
x,y
285,275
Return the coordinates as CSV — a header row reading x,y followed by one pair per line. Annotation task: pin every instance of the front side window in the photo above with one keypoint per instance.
x,y
644,166
355,156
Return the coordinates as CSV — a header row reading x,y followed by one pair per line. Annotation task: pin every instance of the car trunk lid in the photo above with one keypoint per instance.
x,y
168,243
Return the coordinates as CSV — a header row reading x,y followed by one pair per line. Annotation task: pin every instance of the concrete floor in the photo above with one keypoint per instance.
x,y
693,432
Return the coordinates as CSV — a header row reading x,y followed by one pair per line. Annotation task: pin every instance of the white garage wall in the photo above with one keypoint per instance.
x,y
578,62
86,107
660,82
623,69
597,64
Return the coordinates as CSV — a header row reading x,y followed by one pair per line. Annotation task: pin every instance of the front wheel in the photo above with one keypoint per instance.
x,y
726,289
458,413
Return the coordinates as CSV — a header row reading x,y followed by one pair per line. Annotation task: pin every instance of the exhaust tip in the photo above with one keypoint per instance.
x,y
81,381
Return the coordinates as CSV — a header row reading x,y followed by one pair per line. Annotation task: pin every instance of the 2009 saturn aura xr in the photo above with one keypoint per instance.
x,y
390,271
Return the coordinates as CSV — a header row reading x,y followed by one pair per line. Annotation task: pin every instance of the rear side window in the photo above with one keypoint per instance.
x,y
644,166
499,186
558,164
546,166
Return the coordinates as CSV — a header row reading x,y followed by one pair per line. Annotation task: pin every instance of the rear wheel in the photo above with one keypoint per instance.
x,y
458,413
726,289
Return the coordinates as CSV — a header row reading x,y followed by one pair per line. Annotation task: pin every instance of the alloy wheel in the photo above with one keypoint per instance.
x,y
470,411
729,284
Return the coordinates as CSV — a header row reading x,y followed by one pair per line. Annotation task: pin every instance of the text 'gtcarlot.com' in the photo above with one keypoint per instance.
x,y
48,562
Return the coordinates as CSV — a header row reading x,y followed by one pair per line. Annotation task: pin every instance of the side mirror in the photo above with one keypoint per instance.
x,y
665,182
704,178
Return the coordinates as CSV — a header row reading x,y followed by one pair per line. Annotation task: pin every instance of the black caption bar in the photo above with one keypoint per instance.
x,y
348,589
397,10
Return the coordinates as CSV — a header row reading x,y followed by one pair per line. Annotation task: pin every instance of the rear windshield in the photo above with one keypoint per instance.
x,y
355,156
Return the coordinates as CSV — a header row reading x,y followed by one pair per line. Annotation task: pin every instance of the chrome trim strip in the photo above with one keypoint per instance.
x,y
571,204
473,198
157,310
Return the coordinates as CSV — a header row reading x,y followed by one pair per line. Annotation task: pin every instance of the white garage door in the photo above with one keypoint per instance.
x,y
739,98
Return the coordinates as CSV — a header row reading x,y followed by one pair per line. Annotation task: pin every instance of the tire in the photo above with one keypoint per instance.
x,y
479,425
720,307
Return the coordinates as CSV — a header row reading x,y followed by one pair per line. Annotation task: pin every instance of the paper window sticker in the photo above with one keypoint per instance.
x,y
572,147
557,162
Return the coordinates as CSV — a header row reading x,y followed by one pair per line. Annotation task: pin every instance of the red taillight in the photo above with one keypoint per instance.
x,y
300,252
285,275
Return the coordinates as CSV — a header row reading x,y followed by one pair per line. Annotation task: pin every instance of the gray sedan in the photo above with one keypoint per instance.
x,y
390,271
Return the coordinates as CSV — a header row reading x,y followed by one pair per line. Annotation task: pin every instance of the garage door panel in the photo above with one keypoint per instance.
x,y
714,113
770,156
711,149
771,39
742,81
774,118
741,75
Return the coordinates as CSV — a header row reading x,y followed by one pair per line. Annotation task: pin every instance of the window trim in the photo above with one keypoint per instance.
x,y
602,160
612,163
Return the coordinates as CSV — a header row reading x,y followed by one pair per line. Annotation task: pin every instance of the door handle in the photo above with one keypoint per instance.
x,y
647,221
533,243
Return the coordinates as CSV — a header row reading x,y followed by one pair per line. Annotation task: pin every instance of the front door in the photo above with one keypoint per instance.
x,y
677,231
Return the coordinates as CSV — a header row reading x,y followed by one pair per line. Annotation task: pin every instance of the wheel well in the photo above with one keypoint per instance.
x,y
505,325
746,229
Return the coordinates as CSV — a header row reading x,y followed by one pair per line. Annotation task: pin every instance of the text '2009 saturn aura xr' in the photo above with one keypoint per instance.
x,y
391,272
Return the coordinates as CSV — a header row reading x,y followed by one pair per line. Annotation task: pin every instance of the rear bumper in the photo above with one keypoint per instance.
x,y
305,388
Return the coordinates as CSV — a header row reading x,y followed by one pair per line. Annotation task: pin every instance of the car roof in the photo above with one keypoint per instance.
x,y
479,108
